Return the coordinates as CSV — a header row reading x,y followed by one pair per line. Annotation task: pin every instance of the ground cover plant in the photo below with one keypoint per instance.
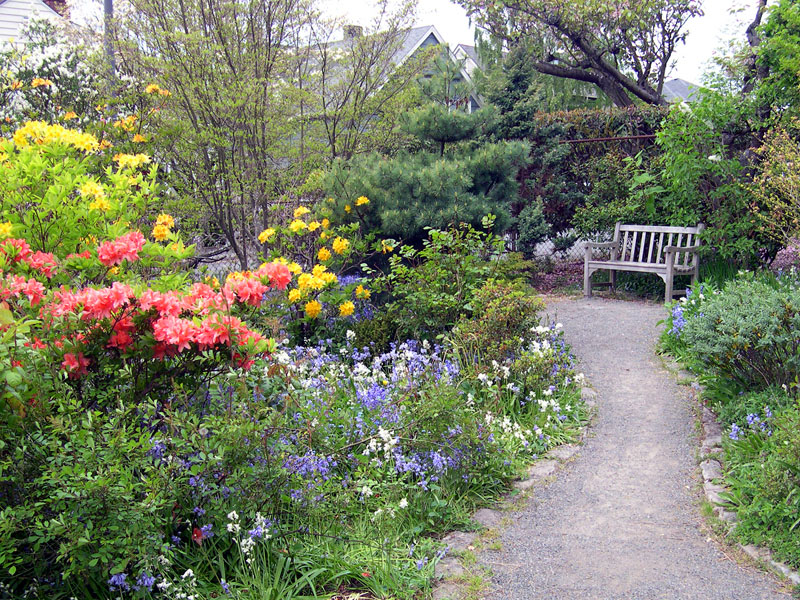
x,y
166,434
741,339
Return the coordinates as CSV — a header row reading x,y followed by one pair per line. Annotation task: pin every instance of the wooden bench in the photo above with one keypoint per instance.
x,y
665,251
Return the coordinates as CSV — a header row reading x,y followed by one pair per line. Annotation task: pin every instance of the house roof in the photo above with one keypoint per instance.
x,y
470,52
15,14
680,90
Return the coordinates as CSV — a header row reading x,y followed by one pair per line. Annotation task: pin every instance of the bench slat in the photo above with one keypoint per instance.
x,y
633,246
658,228
650,251
624,246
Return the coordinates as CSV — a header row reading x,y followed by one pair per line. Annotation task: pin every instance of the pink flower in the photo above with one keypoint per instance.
x,y
44,262
278,273
174,331
125,247
19,249
75,366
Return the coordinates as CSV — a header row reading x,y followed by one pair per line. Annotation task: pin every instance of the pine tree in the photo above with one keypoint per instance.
x,y
452,178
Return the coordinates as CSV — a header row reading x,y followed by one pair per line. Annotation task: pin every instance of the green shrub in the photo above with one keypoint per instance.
x,y
764,474
502,312
533,228
748,333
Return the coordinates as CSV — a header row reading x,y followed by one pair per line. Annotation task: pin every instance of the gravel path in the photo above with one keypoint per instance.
x,y
623,520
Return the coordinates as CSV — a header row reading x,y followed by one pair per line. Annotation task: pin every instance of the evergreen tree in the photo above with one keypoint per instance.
x,y
452,178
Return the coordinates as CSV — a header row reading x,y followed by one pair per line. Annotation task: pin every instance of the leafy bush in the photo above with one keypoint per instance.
x,y
763,465
532,227
747,333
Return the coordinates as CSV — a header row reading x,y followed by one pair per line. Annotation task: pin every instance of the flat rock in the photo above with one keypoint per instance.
x,y
542,468
713,430
525,484
755,552
726,515
458,541
448,567
447,591
564,452
713,492
711,469
713,441
488,517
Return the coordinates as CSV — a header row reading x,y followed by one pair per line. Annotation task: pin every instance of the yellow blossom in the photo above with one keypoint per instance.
x,y
386,247
5,229
346,309
362,200
305,280
151,89
16,84
92,189
100,204
212,281
139,139
295,295
160,232
131,161
328,278
39,132
318,270
164,92
313,309
324,254
325,223
105,144
266,235
300,211
313,226
69,115
340,245
347,208
294,268
40,82
323,236
166,220
296,226
3,157
362,293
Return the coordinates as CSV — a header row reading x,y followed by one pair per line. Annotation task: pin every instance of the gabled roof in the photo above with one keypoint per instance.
x,y
680,90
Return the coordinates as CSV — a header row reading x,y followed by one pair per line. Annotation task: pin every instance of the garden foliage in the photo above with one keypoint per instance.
x,y
155,443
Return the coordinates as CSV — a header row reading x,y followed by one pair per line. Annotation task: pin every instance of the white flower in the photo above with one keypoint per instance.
x,y
403,503
351,335
233,528
366,491
188,573
233,516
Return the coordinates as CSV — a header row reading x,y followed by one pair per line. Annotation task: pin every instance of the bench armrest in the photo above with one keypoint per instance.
x,y
601,244
669,249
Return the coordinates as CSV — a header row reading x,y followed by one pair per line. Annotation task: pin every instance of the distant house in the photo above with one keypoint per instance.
x,y
15,15
680,90
421,38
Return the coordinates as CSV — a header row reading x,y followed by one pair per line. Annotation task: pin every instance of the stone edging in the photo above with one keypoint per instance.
x,y
710,449
449,570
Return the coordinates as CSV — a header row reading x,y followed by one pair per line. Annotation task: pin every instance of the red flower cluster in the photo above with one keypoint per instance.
x,y
125,247
16,285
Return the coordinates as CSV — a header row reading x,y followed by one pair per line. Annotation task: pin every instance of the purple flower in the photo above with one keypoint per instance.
x,y
735,432
145,581
117,582
198,511
225,587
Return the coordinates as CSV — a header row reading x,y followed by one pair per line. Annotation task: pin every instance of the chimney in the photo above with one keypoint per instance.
x,y
60,6
352,32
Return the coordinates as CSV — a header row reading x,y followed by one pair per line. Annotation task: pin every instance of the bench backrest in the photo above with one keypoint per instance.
x,y
646,243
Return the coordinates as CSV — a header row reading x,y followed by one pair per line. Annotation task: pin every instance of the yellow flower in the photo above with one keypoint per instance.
x,y
296,226
328,278
266,235
362,293
325,223
362,200
3,157
323,236
127,123
139,139
39,82
160,232
166,220
340,245
5,229
347,208
313,309
212,281
305,280
151,89
386,247
164,92
131,161
300,211
295,295
324,254
318,270
39,132
16,84
68,116
294,268
92,189
346,309
105,144
313,226
100,204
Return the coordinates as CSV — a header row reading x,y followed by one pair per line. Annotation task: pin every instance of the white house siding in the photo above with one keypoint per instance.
x,y
14,14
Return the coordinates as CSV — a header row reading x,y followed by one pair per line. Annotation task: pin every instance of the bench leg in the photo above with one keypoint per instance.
x,y
612,277
668,294
587,281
